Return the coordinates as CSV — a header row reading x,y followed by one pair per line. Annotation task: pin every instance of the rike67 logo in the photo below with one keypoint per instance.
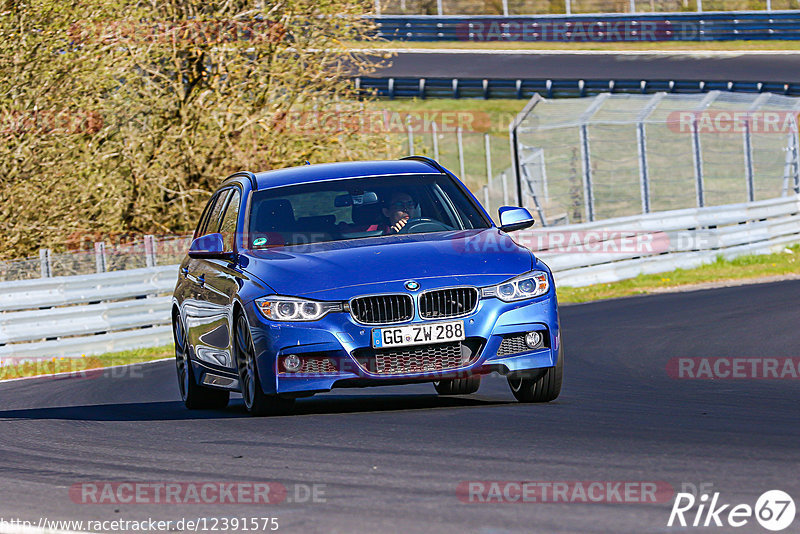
x,y
774,510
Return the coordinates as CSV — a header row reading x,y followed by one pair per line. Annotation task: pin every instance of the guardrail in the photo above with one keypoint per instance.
x,y
652,27
68,316
88,314
602,251
556,88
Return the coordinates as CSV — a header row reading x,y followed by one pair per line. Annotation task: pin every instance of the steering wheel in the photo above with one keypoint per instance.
x,y
423,224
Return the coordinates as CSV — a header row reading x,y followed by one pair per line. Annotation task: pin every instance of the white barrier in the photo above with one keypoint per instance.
x,y
91,314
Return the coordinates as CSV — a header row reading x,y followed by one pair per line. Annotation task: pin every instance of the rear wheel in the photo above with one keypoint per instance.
x,y
255,400
458,386
541,386
194,396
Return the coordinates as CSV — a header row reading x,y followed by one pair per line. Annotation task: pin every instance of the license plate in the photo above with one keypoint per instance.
x,y
417,334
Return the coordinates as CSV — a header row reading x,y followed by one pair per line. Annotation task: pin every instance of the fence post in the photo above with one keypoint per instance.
x,y
633,6
100,257
698,163
488,149
439,8
435,130
796,154
748,160
586,162
486,198
699,6
769,5
460,140
568,5
505,188
150,250
378,7
644,178
505,8
45,264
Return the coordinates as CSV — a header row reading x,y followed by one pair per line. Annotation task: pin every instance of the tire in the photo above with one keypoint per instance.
x,y
458,386
255,400
193,395
543,386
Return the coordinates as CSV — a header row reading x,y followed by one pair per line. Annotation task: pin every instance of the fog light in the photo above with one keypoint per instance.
x,y
292,363
532,339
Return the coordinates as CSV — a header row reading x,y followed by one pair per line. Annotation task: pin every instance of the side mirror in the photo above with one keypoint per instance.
x,y
513,219
209,247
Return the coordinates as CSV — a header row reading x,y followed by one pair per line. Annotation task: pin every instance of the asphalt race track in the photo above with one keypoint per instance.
x,y
391,459
707,66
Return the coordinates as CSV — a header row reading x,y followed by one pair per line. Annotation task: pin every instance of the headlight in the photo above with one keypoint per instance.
x,y
294,309
527,286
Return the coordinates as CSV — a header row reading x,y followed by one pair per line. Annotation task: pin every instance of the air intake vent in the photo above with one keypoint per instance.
x,y
382,309
444,303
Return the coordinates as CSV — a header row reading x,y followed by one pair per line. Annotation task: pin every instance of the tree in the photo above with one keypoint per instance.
x,y
122,116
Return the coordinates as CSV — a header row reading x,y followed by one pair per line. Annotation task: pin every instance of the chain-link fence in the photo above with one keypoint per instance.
x,y
147,251
587,159
569,7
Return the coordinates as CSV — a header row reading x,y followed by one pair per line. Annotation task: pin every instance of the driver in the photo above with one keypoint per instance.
x,y
398,211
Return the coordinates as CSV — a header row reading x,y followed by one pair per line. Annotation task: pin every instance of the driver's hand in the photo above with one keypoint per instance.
x,y
396,227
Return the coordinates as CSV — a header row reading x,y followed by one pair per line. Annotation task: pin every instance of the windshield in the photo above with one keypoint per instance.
x,y
359,207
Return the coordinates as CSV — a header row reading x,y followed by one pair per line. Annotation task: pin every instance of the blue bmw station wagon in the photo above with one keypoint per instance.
x,y
359,274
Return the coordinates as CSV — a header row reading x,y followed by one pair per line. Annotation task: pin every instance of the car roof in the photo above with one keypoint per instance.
x,y
336,171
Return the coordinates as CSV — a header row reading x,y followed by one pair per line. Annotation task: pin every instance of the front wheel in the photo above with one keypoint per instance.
x,y
255,400
543,386
194,396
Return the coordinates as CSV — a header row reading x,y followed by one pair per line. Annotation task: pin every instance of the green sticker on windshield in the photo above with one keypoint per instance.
x,y
260,241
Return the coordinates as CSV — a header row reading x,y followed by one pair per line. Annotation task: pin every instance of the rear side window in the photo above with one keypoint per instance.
x,y
211,222
229,220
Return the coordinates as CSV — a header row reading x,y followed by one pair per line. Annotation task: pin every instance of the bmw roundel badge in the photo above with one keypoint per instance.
x,y
412,285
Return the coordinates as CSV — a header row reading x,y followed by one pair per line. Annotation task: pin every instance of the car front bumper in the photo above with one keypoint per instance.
x,y
338,337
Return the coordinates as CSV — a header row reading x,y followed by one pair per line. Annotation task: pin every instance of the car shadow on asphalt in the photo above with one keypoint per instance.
x,y
175,410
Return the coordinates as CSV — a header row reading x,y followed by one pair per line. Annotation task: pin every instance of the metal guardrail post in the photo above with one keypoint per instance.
x,y
633,6
460,139
698,163
150,250
486,198
505,188
505,8
796,159
586,163
644,178
435,135
410,136
699,6
45,263
100,257
568,6
378,8
439,8
488,149
748,160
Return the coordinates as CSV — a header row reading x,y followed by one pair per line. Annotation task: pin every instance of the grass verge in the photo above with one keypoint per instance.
x,y
720,271
81,367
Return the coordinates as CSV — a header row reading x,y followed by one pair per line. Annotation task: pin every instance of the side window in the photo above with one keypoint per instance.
x,y
204,217
228,226
212,224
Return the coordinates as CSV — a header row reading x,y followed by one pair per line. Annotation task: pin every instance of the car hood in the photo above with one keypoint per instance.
x,y
341,269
